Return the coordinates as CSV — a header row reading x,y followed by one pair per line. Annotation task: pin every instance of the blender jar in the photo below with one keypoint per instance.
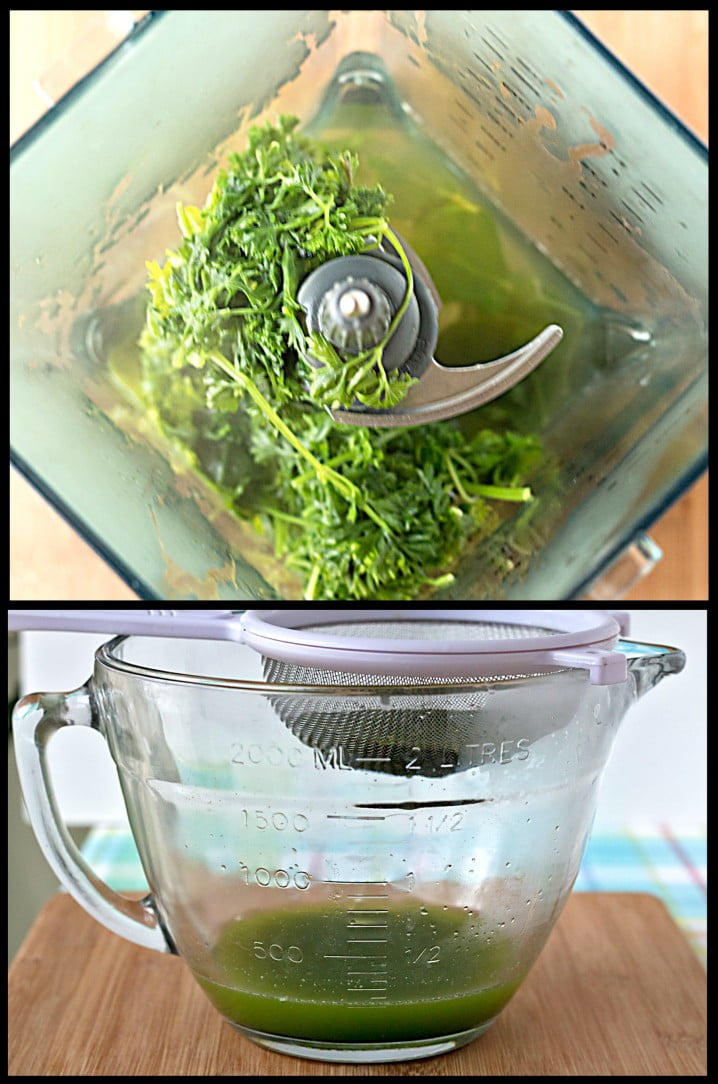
x,y
587,205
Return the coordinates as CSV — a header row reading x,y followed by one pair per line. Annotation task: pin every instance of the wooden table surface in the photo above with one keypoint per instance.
x,y
617,991
668,50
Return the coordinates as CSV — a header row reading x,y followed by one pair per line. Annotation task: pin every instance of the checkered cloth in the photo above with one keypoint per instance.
x,y
668,865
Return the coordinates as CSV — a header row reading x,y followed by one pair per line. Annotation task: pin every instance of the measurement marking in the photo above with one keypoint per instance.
x,y
372,760
423,805
367,911
328,882
368,896
351,817
366,940
367,925
365,990
353,956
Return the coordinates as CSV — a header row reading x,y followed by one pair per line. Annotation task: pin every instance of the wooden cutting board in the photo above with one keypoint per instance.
x,y
617,991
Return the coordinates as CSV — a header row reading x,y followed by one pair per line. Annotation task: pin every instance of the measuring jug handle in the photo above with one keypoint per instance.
x,y
36,719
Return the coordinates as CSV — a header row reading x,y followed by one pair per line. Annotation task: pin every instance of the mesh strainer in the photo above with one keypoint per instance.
x,y
409,687
426,644
428,722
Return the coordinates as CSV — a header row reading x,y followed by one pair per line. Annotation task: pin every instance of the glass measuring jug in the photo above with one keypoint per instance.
x,y
329,908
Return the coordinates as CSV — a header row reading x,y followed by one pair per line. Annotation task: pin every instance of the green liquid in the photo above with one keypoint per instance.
x,y
361,976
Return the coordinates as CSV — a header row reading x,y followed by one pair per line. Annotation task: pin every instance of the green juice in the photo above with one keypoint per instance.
x,y
406,974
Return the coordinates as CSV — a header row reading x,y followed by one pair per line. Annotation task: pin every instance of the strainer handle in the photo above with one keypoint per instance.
x,y
194,624
623,618
36,719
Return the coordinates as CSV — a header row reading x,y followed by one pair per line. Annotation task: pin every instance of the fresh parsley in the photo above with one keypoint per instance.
x,y
359,513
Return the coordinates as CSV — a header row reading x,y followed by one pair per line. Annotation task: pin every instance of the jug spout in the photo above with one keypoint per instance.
x,y
650,663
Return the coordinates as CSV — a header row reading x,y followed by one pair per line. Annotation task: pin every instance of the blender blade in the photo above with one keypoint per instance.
x,y
356,301
446,391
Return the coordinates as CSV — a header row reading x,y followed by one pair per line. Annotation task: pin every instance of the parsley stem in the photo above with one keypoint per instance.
x,y
324,474
379,226
441,581
399,248
480,489
286,518
310,589
504,493
335,461
456,480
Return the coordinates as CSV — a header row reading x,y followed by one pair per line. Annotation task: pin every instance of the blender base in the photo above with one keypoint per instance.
x,y
365,1053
